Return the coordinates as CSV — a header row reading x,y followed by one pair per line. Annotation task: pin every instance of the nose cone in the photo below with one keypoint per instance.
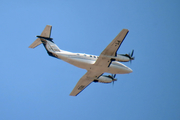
x,y
119,68
128,70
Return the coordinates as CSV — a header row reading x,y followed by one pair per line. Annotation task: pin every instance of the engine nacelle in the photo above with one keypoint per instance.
x,y
122,58
104,79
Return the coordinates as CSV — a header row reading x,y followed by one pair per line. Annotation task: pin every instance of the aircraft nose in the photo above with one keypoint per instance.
x,y
129,70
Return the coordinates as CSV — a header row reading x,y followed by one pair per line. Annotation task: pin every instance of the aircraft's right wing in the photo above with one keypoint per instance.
x,y
84,82
111,49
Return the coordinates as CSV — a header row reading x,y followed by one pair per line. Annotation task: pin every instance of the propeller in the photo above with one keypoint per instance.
x,y
113,78
130,56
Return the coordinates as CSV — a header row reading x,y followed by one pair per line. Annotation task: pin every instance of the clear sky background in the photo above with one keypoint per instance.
x,y
34,86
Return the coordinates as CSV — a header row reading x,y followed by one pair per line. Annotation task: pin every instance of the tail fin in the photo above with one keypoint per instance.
x,y
47,31
45,35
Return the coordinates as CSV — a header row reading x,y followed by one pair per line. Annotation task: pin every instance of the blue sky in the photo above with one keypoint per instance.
x,y
34,86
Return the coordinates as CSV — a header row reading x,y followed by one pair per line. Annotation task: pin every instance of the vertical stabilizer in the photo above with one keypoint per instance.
x,y
47,31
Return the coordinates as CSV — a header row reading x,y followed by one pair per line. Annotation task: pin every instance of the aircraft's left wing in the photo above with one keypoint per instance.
x,y
84,82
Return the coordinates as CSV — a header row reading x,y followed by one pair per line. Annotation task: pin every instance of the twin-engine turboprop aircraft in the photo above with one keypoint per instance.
x,y
107,62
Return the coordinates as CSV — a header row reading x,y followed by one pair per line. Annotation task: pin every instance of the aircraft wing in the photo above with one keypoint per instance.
x,y
111,49
84,82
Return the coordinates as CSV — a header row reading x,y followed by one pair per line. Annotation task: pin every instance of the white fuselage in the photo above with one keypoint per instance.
x,y
86,61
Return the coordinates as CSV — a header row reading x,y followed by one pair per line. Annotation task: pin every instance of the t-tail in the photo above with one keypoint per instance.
x,y
47,41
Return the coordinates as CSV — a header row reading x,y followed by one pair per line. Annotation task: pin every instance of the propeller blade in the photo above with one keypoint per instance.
x,y
132,53
114,75
131,57
113,78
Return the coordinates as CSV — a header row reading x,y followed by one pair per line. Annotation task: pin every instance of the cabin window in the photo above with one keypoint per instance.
x,y
94,56
85,55
77,54
90,55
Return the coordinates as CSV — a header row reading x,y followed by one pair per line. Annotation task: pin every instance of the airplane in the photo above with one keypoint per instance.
x,y
96,66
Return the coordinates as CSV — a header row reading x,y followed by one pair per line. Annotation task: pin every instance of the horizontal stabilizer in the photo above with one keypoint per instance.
x,y
35,43
47,38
